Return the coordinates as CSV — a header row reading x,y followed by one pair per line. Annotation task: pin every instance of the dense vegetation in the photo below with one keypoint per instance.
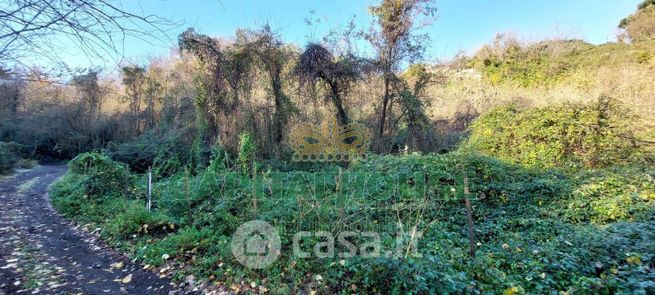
x,y
594,135
539,227
13,155
555,139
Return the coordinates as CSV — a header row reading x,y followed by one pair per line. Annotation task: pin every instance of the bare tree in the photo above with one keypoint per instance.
x,y
98,27
395,41
91,92
134,79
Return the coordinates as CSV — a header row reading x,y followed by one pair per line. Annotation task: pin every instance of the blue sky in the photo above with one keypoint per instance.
x,y
461,24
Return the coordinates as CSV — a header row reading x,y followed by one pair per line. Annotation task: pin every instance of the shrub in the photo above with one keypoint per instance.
x,y
570,135
94,189
100,176
9,156
247,149
166,152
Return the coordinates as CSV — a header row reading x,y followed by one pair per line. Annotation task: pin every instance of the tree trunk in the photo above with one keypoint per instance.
x,y
342,117
280,117
385,103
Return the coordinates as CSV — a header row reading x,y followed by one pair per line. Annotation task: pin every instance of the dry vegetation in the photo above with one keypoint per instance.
x,y
546,73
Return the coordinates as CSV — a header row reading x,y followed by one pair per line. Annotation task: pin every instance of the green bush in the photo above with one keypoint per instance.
x,y
94,189
247,149
166,152
99,176
9,156
570,135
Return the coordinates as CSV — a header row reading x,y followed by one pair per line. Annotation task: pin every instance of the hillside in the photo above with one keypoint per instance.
x,y
550,72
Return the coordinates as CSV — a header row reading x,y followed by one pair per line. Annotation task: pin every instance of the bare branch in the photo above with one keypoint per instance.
x,y
98,27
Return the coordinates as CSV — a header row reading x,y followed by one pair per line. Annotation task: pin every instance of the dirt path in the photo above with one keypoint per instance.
x,y
42,254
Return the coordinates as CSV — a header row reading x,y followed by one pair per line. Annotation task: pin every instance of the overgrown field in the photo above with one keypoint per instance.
x,y
565,205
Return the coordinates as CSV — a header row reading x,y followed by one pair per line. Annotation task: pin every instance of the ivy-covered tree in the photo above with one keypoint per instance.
x,y
317,63
224,73
413,100
272,56
395,41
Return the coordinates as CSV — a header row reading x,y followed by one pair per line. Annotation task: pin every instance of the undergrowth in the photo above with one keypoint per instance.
x,y
537,230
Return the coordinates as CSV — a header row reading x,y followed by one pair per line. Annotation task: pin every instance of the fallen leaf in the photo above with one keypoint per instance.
x,y
127,279
511,291
633,260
